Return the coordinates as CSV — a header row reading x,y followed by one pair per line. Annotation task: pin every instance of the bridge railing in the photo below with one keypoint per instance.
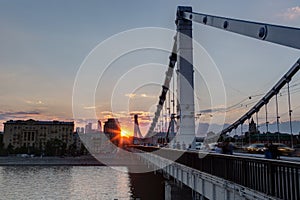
x,y
273,177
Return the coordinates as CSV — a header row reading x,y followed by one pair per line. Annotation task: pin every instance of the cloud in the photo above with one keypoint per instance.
x,y
83,122
147,96
291,13
104,115
212,110
38,102
132,95
139,113
89,107
18,115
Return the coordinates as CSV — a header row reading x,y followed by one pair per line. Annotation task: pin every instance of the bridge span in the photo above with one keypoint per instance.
x,y
219,176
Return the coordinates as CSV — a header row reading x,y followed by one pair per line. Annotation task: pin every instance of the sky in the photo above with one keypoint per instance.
x,y
44,45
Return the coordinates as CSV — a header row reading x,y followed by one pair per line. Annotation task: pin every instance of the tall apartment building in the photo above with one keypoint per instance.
x,y
32,133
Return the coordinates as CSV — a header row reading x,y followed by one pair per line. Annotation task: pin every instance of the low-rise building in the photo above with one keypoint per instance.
x,y
35,134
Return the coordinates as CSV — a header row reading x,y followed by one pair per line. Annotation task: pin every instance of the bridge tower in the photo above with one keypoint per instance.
x,y
185,80
137,132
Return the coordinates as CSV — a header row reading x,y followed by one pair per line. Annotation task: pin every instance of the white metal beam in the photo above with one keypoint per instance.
x,y
286,36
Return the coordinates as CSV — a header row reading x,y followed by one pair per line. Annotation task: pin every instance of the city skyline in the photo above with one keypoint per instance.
x,y
44,45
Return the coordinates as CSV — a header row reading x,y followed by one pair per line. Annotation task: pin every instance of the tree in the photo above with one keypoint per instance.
x,y
72,149
83,150
55,147
10,149
1,144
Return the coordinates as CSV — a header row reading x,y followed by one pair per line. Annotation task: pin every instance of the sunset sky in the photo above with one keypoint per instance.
x,y
45,44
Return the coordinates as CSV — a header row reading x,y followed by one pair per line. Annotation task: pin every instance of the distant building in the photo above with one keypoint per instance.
x,y
35,134
112,128
274,137
88,128
252,127
81,130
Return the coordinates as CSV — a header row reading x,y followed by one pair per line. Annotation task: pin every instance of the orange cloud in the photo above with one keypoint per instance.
x,y
143,95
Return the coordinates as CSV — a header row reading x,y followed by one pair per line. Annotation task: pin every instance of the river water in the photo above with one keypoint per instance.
x,y
76,182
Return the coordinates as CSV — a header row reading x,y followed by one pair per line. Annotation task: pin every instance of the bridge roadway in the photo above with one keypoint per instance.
x,y
285,158
218,176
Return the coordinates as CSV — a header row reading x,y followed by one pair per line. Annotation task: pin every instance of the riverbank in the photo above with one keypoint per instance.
x,y
50,161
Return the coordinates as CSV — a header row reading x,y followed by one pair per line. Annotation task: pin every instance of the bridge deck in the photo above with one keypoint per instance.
x,y
273,177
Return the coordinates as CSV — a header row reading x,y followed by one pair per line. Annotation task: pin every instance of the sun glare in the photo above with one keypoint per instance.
x,y
124,133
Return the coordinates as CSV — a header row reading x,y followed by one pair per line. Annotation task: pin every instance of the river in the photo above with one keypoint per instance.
x,y
77,182
85,182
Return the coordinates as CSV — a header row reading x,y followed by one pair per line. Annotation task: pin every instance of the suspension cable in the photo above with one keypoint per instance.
x,y
290,113
242,135
277,118
273,91
267,123
165,88
257,126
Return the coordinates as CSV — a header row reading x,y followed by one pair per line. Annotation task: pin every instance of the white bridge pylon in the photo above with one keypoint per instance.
x,y
185,81
137,131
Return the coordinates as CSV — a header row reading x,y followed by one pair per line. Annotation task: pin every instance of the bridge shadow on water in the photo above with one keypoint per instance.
x,y
147,185
153,185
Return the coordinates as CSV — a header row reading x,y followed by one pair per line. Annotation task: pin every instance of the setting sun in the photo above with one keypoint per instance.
x,y
124,133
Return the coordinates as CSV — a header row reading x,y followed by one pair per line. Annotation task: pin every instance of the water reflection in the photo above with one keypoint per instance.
x,y
64,183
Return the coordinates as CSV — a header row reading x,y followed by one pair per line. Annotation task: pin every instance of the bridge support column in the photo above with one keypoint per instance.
x,y
175,191
185,81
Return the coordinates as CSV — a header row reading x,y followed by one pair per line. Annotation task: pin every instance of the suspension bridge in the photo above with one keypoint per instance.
x,y
219,176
